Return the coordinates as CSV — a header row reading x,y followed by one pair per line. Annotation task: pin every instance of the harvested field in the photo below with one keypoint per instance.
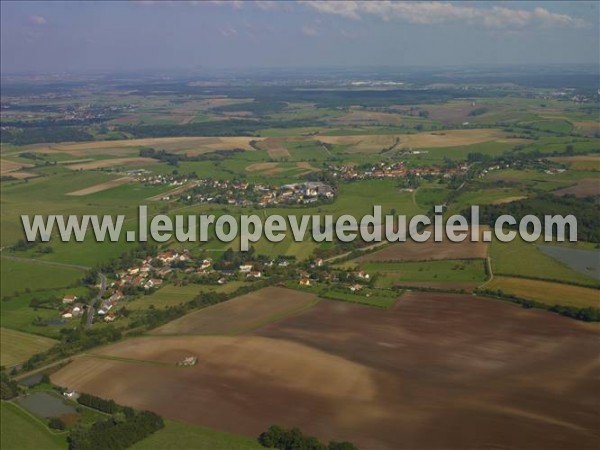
x,y
102,186
21,175
547,292
583,188
176,191
481,373
7,166
100,164
446,138
270,167
509,199
430,250
275,148
241,313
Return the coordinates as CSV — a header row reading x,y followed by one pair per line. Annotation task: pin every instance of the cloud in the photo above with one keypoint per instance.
x,y
235,4
228,31
309,31
38,20
441,12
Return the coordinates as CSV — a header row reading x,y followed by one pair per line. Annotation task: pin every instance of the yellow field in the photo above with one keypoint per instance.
x,y
547,292
92,165
580,162
17,347
190,145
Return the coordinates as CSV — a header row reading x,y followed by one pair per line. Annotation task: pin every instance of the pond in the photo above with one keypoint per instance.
x,y
32,380
583,261
45,405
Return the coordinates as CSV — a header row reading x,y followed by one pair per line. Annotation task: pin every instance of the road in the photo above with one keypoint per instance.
x,y
92,306
48,263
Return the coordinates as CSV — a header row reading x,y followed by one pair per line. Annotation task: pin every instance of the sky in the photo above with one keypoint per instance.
x,y
122,36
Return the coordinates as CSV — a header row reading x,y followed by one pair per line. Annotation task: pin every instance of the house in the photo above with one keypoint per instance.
x,y
71,394
221,280
67,314
356,287
254,274
69,298
304,282
362,275
110,317
245,268
77,310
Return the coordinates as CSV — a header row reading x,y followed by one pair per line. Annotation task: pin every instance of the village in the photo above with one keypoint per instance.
x,y
245,194
176,266
386,169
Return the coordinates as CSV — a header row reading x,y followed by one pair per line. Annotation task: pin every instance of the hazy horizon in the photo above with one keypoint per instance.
x,y
122,37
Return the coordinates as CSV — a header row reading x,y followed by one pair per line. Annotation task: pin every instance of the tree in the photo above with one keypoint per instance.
x,y
56,423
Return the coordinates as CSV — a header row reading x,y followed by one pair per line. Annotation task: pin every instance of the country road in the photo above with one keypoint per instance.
x,y
92,306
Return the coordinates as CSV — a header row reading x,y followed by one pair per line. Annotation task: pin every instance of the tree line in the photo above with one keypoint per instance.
x,y
293,439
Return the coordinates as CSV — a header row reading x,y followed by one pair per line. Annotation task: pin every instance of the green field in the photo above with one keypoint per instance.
x,y
21,431
17,347
171,295
523,259
185,436
390,274
19,275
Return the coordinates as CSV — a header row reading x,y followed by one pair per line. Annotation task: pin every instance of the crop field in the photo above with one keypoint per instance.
x,y
18,347
547,292
425,251
241,313
275,147
580,162
441,345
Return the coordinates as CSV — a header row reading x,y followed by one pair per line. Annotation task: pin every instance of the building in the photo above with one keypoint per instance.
x,y
69,298
246,268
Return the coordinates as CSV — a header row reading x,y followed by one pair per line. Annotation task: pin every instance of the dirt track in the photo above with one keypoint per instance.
x,y
436,371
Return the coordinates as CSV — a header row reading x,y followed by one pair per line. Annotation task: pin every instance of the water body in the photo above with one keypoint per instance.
x,y
45,405
586,262
31,380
